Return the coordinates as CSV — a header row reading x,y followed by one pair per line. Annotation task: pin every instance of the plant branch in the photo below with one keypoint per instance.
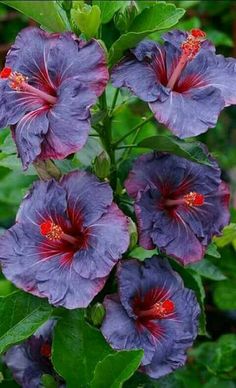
x,y
138,126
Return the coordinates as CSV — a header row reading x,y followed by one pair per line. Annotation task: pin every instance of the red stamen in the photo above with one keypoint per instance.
x,y
19,82
158,310
194,199
197,33
190,47
45,350
6,72
54,232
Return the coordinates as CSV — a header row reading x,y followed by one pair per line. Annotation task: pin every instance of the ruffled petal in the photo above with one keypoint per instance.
x,y
83,190
190,113
110,236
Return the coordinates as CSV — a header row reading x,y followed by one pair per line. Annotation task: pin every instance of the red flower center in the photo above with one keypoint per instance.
x,y
19,82
158,310
45,350
190,199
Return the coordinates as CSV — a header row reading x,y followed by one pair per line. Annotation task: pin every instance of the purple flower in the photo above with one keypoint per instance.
x,y
180,205
185,83
154,312
67,237
31,359
46,89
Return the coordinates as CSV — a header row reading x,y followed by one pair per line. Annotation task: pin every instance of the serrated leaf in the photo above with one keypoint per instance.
x,y
116,368
108,9
77,348
48,13
159,17
224,295
208,270
21,315
188,150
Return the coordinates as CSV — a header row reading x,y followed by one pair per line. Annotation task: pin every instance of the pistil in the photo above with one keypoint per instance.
x,y
19,82
190,47
158,310
190,199
54,232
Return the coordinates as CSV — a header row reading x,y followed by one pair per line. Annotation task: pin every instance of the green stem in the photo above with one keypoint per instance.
x,y
106,138
138,126
114,101
126,146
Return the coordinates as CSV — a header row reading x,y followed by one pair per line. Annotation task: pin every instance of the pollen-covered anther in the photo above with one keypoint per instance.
x,y
191,46
17,81
194,199
51,231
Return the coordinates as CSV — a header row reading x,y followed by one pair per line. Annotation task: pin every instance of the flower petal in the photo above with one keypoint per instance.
x,y
109,234
84,189
136,73
29,133
190,113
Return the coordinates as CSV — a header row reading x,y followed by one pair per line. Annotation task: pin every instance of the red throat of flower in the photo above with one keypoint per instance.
x,y
19,82
158,311
45,350
190,47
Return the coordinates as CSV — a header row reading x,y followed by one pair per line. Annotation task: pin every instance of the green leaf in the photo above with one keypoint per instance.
x,y
208,270
212,251
142,254
224,295
48,13
159,17
115,369
21,315
77,348
87,19
228,237
108,9
188,150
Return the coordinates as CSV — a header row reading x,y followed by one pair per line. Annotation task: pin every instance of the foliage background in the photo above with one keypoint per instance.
x,y
212,362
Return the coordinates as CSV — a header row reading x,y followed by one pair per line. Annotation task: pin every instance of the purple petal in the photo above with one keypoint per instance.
x,y
136,73
120,330
29,134
110,236
138,278
190,113
87,196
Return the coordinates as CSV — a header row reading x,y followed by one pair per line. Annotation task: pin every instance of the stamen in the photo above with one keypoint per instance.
x,y
19,82
158,310
190,47
54,232
45,350
190,199
194,199
6,71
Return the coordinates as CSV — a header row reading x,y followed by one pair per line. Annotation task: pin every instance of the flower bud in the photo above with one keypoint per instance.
x,y
102,165
133,234
97,314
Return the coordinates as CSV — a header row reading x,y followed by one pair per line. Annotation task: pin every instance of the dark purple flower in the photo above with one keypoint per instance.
x,y
31,359
46,89
67,237
180,205
154,312
185,83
